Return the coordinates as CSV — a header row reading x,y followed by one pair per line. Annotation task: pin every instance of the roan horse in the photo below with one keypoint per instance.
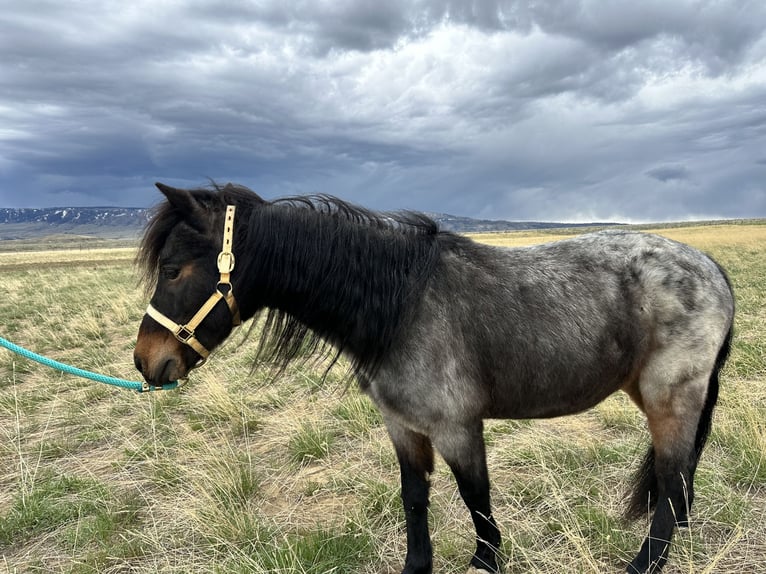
x,y
442,332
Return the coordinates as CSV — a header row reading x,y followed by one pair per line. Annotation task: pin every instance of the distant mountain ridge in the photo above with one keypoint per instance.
x,y
61,226
124,216
128,221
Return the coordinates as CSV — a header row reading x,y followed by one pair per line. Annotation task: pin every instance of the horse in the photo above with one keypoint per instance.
x,y
442,333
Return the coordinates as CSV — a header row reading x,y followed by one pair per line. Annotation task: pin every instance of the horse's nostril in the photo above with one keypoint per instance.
x,y
166,373
137,363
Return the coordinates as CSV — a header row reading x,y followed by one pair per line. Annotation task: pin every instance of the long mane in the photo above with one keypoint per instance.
x,y
331,276
363,272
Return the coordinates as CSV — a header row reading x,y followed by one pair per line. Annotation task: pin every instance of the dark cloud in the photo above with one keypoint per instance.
x,y
668,173
522,110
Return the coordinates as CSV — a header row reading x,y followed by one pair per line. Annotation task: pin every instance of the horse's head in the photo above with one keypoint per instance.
x,y
187,253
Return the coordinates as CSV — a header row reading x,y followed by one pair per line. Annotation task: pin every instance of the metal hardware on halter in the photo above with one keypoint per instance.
x,y
225,261
146,387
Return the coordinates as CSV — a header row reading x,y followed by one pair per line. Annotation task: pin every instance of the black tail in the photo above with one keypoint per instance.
x,y
644,496
706,417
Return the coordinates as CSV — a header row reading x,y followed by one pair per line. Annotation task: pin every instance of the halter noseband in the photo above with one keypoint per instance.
x,y
223,290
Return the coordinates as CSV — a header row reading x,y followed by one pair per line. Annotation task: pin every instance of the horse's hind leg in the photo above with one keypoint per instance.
x,y
673,413
463,450
416,463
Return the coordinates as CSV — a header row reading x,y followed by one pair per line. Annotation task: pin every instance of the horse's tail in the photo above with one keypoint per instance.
x,y
644,496
706,417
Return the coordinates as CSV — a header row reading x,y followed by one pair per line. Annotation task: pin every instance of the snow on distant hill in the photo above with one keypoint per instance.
x,y
127,221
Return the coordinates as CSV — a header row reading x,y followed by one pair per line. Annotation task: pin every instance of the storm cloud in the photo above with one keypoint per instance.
x,y
577,111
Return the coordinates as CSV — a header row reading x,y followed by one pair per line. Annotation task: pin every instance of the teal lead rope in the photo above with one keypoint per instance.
x,y
133,385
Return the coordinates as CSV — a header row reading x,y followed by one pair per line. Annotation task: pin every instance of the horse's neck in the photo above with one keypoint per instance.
x,y
348,284
306,274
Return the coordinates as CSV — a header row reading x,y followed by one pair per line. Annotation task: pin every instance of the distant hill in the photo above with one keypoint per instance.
x,y
128,222
62,227
123,216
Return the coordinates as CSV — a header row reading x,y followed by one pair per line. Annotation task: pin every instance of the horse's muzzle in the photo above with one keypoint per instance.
x,y
160,358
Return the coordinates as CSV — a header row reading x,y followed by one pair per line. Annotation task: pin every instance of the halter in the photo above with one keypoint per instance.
x,y
223,290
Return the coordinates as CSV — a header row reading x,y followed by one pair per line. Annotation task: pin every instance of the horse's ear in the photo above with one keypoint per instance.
x,y
181,199
184,201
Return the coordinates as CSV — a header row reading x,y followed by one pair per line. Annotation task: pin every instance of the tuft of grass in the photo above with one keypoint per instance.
x,y
214,415
48,503
236,485
618,413
749,358
328,550
107,523
358,415
743,439
310,442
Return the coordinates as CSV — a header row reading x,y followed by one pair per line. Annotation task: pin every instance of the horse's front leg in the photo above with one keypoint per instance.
x,y
416,461
462,447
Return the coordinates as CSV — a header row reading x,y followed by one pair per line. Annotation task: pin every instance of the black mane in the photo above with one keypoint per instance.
x,y
330,275
334,275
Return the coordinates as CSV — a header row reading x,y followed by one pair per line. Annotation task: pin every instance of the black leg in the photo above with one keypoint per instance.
x,y
416,461
464,452
674,466
674,495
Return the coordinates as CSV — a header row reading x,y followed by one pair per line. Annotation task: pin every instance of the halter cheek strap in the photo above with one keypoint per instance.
x,y
185,333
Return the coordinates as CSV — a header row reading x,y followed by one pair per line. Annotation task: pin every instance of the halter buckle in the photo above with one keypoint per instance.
x,y
225,261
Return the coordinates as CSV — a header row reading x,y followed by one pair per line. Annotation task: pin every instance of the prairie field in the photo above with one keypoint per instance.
x,y
236,473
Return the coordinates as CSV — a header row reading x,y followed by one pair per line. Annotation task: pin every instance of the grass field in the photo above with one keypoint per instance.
x,y
232,474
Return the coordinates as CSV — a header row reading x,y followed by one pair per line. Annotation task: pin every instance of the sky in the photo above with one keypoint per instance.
x,y
585,110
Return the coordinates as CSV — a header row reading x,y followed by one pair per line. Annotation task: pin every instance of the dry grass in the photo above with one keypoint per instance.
x,y
234,474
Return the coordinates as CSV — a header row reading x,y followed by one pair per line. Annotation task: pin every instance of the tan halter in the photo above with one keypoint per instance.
x,y
223,290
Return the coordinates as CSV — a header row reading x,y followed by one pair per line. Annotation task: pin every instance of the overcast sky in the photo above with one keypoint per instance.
x,y
544,110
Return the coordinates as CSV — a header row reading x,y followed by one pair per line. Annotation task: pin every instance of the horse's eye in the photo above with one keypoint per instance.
x,y
170,272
